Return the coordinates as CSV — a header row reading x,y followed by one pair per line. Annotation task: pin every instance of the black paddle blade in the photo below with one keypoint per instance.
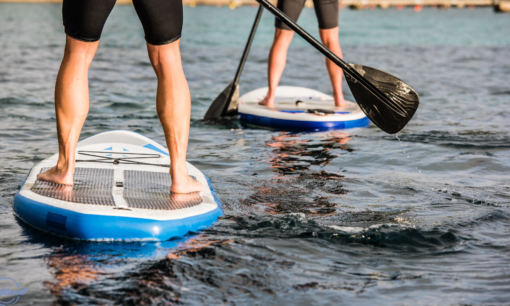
x,y
225,104
390,115
232,103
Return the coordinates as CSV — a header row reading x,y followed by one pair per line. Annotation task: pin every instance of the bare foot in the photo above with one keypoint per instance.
x,y
185,184
268,101
340,102
66,192
58,176
193,197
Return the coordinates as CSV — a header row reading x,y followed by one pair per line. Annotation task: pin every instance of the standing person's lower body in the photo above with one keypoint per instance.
x,y
327,15
162,23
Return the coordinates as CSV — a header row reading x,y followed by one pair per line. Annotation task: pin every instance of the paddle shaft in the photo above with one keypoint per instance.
x,y
243,58
248,46
223,105
314,42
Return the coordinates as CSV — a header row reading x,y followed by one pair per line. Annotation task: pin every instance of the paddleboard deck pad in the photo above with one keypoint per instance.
x,y
121,192
299,109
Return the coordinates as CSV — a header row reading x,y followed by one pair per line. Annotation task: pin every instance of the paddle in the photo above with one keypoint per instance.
x,y
386,100
226,103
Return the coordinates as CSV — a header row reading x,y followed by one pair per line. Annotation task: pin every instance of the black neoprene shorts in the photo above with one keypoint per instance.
x,y
161,19
326,11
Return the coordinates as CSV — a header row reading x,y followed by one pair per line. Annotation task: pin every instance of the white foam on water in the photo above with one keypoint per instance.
x,y
347,229
357,230
301,216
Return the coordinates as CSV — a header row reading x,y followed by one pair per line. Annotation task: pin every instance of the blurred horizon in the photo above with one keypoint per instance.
x,y
478,27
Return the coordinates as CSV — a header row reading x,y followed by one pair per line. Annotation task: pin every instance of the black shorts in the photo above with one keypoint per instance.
x,y
326,11
161,19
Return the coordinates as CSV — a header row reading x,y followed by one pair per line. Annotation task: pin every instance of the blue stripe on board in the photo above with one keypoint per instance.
x,y
302,111
154,148
295,125
93,227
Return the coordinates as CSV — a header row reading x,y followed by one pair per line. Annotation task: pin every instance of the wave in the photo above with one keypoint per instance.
x,y
466,140
392,236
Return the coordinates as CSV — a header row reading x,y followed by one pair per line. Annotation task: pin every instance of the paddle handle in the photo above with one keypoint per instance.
x,y
314,42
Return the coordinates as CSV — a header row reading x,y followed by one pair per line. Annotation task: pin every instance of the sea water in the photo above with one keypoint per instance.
x,y
328,218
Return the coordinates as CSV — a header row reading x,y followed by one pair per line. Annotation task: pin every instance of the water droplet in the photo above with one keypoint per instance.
x,y
396,136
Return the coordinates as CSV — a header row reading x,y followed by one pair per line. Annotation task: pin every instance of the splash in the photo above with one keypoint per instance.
x,y
396,136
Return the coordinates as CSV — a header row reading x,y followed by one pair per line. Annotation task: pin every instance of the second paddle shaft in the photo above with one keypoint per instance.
x,y
248,45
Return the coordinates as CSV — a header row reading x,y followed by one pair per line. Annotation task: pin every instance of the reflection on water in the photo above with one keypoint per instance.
x,y
195,246
77,275
326,218
296,188
293,154
71,271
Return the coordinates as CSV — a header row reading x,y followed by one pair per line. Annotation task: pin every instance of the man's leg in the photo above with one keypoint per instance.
x,y
173,104
71,106
276,63
329,38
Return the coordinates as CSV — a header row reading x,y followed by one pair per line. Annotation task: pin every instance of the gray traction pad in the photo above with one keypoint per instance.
x,y
151,190
91,186
142,189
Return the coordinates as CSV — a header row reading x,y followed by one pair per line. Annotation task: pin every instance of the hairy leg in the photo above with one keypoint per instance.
x,y
71,106
330,39
276,63
173,104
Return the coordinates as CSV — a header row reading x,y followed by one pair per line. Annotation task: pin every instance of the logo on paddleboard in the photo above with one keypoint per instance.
x,y
10,291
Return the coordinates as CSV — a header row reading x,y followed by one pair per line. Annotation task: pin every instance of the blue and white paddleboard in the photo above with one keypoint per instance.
x,y
299,109
121,192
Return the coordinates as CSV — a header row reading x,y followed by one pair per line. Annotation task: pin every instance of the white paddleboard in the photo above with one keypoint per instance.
x,y
300,109
121,192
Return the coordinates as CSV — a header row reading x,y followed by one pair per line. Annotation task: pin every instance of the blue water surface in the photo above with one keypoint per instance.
x,y
353,217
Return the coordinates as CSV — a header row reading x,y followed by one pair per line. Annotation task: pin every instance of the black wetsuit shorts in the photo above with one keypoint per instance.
x,y
161,19
326,11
